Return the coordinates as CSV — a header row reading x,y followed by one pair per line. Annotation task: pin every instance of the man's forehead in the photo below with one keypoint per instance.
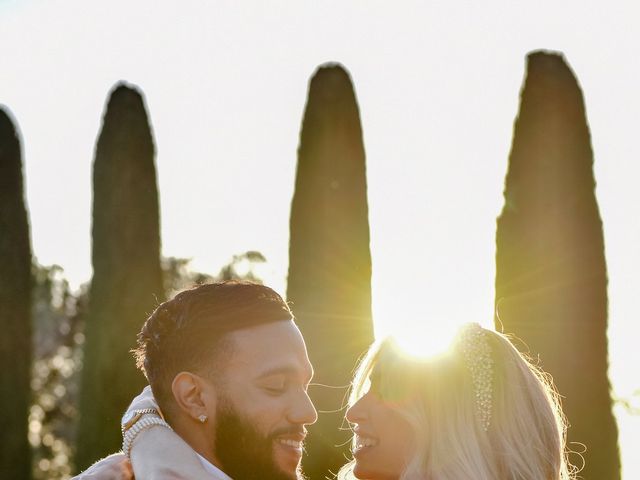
x,y
285,330
276,345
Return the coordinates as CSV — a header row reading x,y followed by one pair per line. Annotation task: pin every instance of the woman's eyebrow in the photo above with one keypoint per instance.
x,y
375,375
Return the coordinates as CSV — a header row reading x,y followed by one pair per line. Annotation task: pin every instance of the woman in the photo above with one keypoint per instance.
x,y
480,411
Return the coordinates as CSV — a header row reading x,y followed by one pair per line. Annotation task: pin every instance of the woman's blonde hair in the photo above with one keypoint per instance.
x,y
524,437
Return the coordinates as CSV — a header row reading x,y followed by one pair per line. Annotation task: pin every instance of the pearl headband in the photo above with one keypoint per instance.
x,y
472,342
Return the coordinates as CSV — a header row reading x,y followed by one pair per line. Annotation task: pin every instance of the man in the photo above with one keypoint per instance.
x,y
229,370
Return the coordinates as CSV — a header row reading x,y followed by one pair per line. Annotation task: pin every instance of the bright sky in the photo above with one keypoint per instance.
x,y
225,84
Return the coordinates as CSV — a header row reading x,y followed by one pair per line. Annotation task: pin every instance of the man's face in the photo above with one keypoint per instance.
x,y
262,405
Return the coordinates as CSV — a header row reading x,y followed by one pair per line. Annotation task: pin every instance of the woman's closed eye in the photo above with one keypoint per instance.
x,y
374,384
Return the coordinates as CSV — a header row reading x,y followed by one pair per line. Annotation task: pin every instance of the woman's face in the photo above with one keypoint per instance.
x,y
384,439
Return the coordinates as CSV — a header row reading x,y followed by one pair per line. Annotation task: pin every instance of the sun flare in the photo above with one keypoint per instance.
x,y
418,336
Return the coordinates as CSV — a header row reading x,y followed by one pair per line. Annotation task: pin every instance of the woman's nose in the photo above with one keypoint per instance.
x,y
356,412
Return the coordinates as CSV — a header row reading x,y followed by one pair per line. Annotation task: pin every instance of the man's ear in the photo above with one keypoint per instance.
x,y
195,396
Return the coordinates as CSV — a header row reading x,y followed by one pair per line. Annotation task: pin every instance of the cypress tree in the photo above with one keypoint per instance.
x,y
329,282
15,314
551,279
127,278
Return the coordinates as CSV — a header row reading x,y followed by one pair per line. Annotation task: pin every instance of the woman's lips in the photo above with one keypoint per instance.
x,y
363,443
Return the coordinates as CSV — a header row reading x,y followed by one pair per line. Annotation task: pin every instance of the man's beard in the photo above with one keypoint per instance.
x,y
244,453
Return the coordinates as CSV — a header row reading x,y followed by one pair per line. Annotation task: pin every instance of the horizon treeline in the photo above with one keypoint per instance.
x,y
551,278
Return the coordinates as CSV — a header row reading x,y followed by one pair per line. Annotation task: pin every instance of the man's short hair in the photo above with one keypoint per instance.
x,y
187,332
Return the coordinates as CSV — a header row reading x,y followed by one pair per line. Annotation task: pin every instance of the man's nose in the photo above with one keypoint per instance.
x,y
303,412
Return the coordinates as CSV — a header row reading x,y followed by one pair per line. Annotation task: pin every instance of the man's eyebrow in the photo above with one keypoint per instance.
x,y
284,370
278,371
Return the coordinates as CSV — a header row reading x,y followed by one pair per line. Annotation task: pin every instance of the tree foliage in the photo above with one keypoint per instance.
x,y
58,315
15,302
551,280
127,277
329,282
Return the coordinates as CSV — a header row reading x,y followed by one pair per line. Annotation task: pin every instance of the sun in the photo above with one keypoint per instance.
x,y
425,339
417,333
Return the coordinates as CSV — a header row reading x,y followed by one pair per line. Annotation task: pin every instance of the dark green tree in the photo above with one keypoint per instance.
x,y
329,282
551,279
127,277
15,311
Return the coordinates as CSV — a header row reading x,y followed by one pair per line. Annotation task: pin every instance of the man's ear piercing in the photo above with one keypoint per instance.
x,y
202,418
